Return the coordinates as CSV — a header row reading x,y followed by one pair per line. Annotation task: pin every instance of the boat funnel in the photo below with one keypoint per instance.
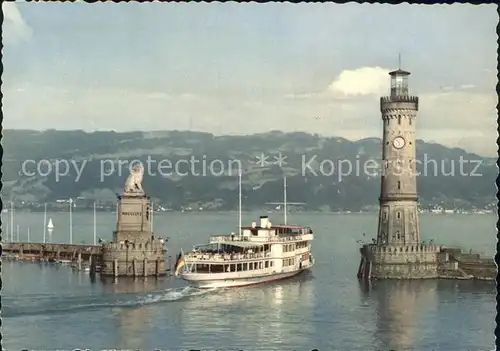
x,y
264,221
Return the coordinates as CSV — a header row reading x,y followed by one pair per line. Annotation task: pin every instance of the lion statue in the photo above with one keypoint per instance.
x,y
134,180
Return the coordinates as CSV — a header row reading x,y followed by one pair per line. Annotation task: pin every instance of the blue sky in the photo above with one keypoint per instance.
x,y
249,68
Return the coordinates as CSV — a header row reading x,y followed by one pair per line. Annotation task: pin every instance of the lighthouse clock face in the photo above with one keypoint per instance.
x,y
399,142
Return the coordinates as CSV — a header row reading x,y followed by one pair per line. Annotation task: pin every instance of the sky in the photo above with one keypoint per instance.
x,y
230,68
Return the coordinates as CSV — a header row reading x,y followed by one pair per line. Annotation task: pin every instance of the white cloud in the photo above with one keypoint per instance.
x,y
157,96
467,86
349,84
15,28
361,81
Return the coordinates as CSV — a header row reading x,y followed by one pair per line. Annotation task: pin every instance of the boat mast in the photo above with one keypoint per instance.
x,y
285,202
284,198
44,222
95,227
239,202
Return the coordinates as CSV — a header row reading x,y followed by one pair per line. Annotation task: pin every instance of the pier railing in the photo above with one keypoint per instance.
x,y
49,247
40,251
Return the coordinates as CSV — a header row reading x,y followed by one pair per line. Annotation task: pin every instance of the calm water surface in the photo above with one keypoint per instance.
x,y
52,307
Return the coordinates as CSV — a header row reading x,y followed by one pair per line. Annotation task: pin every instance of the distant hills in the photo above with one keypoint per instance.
x,y
189,160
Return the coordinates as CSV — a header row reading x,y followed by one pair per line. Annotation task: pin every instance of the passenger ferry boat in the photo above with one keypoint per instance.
x,y
260,253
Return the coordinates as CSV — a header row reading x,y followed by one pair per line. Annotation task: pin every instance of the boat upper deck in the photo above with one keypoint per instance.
x,y
245,241
254,235
282,229
225,256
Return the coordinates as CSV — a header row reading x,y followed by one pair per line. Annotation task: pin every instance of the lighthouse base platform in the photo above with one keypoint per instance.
x,y
425,261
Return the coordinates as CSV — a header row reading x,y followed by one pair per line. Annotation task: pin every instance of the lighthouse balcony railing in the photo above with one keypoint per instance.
x,y
403,248
399,98
385,100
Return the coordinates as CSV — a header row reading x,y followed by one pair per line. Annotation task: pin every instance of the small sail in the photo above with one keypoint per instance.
x,y
50,226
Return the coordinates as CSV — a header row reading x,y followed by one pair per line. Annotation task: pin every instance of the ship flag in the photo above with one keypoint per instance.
x,y
179,263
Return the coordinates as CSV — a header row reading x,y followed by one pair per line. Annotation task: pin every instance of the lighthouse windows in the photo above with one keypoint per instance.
x,y
409,120
399,186
398,215
399,119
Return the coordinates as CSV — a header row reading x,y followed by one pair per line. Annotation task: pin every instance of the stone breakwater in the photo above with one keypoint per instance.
x,y
424,262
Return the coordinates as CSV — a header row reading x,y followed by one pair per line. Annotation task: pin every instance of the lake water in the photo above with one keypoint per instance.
x,y
52,307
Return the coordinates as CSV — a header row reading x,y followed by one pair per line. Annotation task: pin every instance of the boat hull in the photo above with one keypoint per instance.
x,y
240,282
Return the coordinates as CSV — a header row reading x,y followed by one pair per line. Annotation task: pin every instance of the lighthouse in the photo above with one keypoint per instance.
x,y
397,252
398,215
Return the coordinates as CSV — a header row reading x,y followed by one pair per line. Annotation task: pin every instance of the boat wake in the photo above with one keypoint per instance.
x,y
30,305
174,295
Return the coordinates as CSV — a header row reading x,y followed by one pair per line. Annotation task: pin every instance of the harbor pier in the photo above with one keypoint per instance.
x,y
56,252
91,256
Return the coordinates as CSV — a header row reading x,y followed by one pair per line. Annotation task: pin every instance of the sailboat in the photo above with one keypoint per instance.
x,y
261,253
50,226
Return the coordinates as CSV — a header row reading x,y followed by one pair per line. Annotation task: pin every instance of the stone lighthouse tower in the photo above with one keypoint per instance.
x,y
398,216
397,252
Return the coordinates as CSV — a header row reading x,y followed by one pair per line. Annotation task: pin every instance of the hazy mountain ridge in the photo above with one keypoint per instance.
x,y
261,182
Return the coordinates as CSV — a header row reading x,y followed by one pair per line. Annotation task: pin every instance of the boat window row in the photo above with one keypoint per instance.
x,y
301,244
288,261
292,247
233,267
293,231
227,256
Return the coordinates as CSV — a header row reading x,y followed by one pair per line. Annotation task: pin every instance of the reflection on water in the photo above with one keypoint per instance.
x,y
400,305
129,322
407,310
130,285
260,315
